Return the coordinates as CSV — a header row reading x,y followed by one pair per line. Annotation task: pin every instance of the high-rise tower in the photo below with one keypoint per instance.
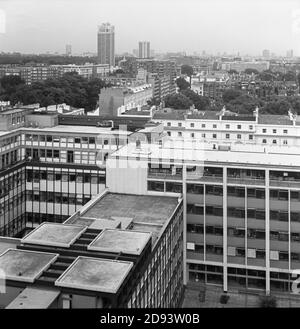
x,y
144,49
106,44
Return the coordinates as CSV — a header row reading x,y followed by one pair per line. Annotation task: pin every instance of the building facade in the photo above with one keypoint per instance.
x,y
106,44
241,208
47,170
141,266
144,49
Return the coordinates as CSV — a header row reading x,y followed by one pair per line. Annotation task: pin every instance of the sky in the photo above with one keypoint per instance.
x,y
231,26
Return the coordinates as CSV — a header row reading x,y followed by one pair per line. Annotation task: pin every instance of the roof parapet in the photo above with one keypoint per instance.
x,y
222,113
292,116
256,113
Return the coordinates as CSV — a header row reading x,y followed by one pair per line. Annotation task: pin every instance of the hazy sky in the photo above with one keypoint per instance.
x,y
247,26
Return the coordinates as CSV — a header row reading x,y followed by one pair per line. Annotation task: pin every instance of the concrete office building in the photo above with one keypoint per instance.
x,y
47,170
241,208
144,49
266,53
240,186
98,258
87,71
69,50
106,44
112,100
241,66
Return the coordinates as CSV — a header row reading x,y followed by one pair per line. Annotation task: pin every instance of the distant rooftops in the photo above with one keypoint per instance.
x,y
225,115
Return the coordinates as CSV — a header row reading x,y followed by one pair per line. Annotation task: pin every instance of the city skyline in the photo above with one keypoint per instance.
x,y
213,26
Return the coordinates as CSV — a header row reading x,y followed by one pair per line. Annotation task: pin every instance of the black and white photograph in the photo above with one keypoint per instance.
x,y
149,159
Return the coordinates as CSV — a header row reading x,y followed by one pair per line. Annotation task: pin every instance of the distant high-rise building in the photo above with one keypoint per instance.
x,y
68,50
106,44
144,49
135,52
266,53
290,53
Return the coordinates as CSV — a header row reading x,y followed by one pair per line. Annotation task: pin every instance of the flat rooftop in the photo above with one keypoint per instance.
x,y
125,241
141,208
95,274
7,243
54,234
78,129
34,298
93,223
201,152
23,265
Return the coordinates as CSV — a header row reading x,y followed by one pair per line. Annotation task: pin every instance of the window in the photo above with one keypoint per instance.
x,y
199,248
250,137
264,131
49,153
227,126
179,124
192,125
195,228
285,131
274,131
169,124
285,142
239,127
156,186
56,153
227,136
264,141
194,188
203,125
179,134
70,156
214,126
194,209
239,136
214,135
173,187
274,141
192,135
250,127
203,135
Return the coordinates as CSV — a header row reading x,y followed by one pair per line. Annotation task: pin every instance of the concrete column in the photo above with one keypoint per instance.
x,y
225,282
184,223
267,229
99,302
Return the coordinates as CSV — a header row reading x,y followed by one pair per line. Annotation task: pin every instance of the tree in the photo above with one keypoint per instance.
x,y
177,101
277,106
243,104
230,94
201,103
233,71
182,84
9,83
251,71
153,102
188,70
267,75
71,89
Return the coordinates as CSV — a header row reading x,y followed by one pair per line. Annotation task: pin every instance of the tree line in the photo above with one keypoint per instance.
x,y
71,89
